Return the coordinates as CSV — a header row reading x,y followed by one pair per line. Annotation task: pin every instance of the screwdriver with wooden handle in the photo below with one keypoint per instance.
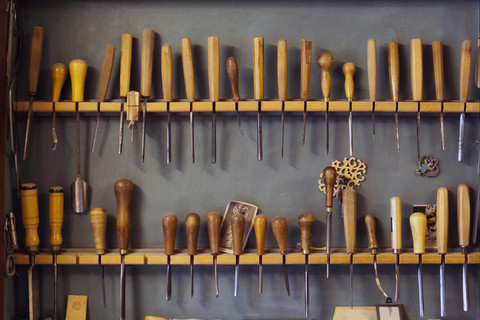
x,y
442,241
373,247
280,231
282,80
306,58
418,224
463,222
56,201
238,227
260,226
348,71
349,206
214,87
416,67
36,49
258,89
125,70
465,68
394,76
329,179
396,233
123,194
372,77
437,51
148,45
232,72
169,223
325,63
305,221
192,226
98,221
214,222
167,80
59,74
188,76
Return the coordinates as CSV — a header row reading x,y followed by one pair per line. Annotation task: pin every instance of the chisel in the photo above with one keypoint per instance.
x,y
280,231
349,206
418,224
477,69
442,241
396,233
238,227
167,80
56,221
192,226
169,223
260,225
348,71
372,77
98,220
305,221
213,225
463,222
258,88
214,87
125,69
282,80
188,76
437,51
306,58
394,76
325,62
373,247
36,49
465,68
416,69
123,193
148,45
232,72
59,74
329,179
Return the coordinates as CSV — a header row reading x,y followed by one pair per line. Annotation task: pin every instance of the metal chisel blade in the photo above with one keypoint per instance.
x,y
102,270
285,274
419,154
33,291
420,287
144,128
443,312
55,286
259,134
329,238
351,281
461,134
216,274
326,130
191,276
377,279
350,132
168,296
283,127
397,135
307,311
465,291
169,135
260,275
192,135
122,288
397,280
120,130
214,136
237,270
442,129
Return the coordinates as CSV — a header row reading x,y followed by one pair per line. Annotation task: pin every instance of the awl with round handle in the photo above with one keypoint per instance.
x,y
167,81
349,206
442,241
463,222
372,77
465,68
280,231
59,74
232,72
169,224
396,233
125,70
394,76
148,45
325,63
348,71
258,89
437,51
306,58
214,222
416,67
282,80
418,224
329,178
56,203
214,87
98,221
373,247
305,221
188,76
192,226
238,227
260,226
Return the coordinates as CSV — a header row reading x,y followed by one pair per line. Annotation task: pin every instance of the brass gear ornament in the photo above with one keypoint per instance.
x,y
350,172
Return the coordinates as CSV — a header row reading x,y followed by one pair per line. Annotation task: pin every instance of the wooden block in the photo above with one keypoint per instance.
x,y
431,258
21,258
453,107
202,106
295,258
339,258
386,258
88,258
67,258
362,106
180,106
109,107
430,106
408,258
135,259
180,258
316,106
454,258
339,106
157,107
226,259
357,313
247,105
249,258
76,307
385,106
111,258
473,107
225,106
363,258
87,106
64,107
272,258
474,258
203,259
45,258
156,258
317,258
294,106
407,106
271,106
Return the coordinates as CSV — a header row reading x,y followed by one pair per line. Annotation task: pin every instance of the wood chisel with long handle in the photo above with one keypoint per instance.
x,y
238,227
463,222
260,226
418,224
416,69
169,223
232,72
477,68
214,87
465,68
396,233
394,77
305,221
442,241
188,76
56,202
282,80
167,80
437,51
348,71
36,49
373,247
125,70
258,88
59,74
192,226
214,221
306,58
372,77
349,207
148,45
325,63
329,179
280,231
123,193
98,221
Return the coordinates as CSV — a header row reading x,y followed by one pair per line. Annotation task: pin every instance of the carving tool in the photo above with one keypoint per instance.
x,y
463,222
192,226
125,69
416,67
442,241
167,80
396,232
238,226
59,74
98,220
148,45
349,206
477,69
260,225
437,50
56,221
373,247
79,188
36,49
325,62
188,76
394,76
329,178
418,224
232,72
169,223
280,230
348,71
465,67
372,77
305,221
282,80
306,58
477,201
214,87
213,225
133,106
258,88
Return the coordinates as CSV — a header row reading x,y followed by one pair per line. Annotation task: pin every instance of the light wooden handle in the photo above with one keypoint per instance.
x,y
30,217
214,222
238,227
437,51
125,64
394,69
477,69
36,49
349,205
280,231
148,45
214,67
98,220
232,72
329,178
416,60
260,226
59,74
282,69
372,68
348,71
187,61
167,74
463,215
442,220
306,58
325,62
78,72
258,68
305,221
169,223
396,222
55,201
418,224
192,226
371,233
465,68
106,73
123,193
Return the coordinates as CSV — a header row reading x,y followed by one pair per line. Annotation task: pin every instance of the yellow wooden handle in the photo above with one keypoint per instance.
x,y
442,220
282,69
106,73
418,224
396,222
349,205
167,74
260,225
372,68
187,61
30,219
98,221
306,58
437,51
325,62
416,60
214,67
465,68
394,69
56,203
125,64
348,71
59,74
463,215
148,45
258,68
78,72
36,49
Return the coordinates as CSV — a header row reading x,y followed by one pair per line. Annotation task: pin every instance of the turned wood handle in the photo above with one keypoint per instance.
x,y
106,73
238,227
214,67
98,220
125,64
306,58
371,233
465,68
418,224
59,74
214,222
416,60
167,74
305,221
280,231
148,45
123,193
349,205
477,68
188,75
260,226
329,178
36,49
78,72
372,69
348,71
192,226
325,63
232,72
30,217
463,215
394,69
258,68
282,69
396,222
437,51
169,223
56,202
442,220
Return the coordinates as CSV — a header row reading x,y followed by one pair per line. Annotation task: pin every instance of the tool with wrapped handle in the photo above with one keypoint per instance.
x,y
463,222
396,233
442,241
325,63
133,107
418,224
56,221
192,226
416,67
260,226
305,221
59,74
169,223
258,89
437,51
214,87
280,231
188,76
465,68
329,178
125,70
372,77
282,80
306,58
148,45
238,227
213,225
232,72
98,221
11,244
394,76
167,80
348,71
373,247
349,206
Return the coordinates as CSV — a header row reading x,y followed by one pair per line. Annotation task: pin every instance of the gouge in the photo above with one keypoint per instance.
x,y
30,220
465,68
349,206
36,49
396,232
214,87
394,76
258,88
260,225
167,80
325,62
373,247
280,231
437,51
188,76
232,72
213,225
98,220
372,77
305,221
306,58
123,193
418,224
238,228
105,75
442,240
329,178
59,74
125,69
56,221
349,70
148,45
192,226
463,222
416,67
169,223
282,80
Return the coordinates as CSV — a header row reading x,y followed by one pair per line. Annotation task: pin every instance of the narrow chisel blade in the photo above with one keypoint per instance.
x,y
216,274
420,287
237,270
168,296
461,132
465,291
285,274
443,312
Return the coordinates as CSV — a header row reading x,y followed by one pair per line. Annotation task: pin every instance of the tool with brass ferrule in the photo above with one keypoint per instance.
x,y
348,71
349,206
418,224
214,87
416,67
169,223
465,68
123,194
148,45
329,178
396,233
133,106
59,74
306,58
36,49
167,80
260,225
280,231
394,76
192,226
232,72
125,69
463,222
372,77
373,247
442,241
437,51
56,221
282,80
238,227
258,88
98,220
213,225
188,76
325,63
305,221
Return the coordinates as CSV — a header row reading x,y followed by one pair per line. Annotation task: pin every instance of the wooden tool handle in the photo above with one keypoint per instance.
x,y
282,69
56,202
78,72
169,223
372,68
123,193
59,74
214,67
187,61
98,220
418,224
36,49
260,226
280,231
329,178
442,220
258,68
416,60
477,68
396,222
437,51
238,227
349,205
348,71
125,64
232,72
192,226
305,221
463,215
106,73
30,218
371,233
306,58
465,68
394,69
148,46
214,221
167,74
325,63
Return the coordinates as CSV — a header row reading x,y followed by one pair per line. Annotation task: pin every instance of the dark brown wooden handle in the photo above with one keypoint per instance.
x,y
394,69
123,193
36,49
214,222
232,71
371,233
305,221
169,223
325,63
329,178
280,231
260,225
238,227
192,226
106,73
306,58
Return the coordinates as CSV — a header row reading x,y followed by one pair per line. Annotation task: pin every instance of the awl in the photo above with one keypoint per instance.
x,y
372,77
232,72
98,220
56,204
416,67
396,233
463,222
258,88
325,63
238,228
349,206
282,80
169,223
167,80
260,225
59,74
192,226
213,225
465,68
373,247
305,221
442,241
214,87
306,58
437,51
394,76
280,231
148,45
125,70
329,179
418,224
348,71
188,76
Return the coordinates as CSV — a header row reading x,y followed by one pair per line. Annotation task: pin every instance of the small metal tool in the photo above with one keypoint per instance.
x,y
260,225
192,226
148,45
167,80
59,74
188,76
214,87
232,72
325,62
437,51
442,241
372,77
125,69
169,223
56,221
463,222
349,70
258,89
349,206
396,233
282,80
306,57
213,225
305,221
238,227
394,75
280,230
329,178
98,221
418,224
416,58
373,247
465,68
